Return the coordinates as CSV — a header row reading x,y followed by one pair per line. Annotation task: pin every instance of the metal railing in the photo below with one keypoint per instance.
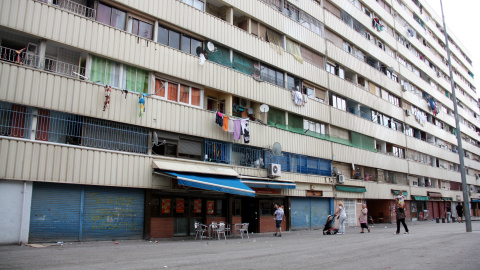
x,y
72,129
247,156
76,8
63,68
20,57
219,152
15,120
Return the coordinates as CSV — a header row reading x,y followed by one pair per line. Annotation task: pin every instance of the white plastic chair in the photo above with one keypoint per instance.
x,y
243,229
200,230
221,230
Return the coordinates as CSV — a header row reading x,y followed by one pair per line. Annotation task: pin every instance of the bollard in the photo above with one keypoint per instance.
x,y
438,220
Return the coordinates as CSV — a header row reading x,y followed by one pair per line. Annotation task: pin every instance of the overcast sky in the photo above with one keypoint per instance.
x,y
463,19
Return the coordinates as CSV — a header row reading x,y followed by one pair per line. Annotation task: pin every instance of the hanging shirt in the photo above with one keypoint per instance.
x,y
219,119
298,98
230,125
246,130
225,122
237,129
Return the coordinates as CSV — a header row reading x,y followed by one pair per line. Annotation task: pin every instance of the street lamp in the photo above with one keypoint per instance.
x,y
466,204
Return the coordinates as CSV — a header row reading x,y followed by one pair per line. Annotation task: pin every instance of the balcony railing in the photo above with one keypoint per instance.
x,y
66,69
76,8
23,57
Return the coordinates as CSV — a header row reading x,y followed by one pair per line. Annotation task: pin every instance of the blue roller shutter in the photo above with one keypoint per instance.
x,y
55,212
113,213
319,212
300,213
309,213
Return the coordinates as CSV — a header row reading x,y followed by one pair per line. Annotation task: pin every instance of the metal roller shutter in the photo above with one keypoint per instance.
x,y
190,147
113,213
320,210
55,212
300,213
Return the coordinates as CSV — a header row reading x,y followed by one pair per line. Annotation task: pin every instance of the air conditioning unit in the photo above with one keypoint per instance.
x,y
408,112
471,189
404,87
274,170
341,178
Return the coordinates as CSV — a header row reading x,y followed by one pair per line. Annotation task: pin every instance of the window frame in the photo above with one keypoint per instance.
x,y
179,87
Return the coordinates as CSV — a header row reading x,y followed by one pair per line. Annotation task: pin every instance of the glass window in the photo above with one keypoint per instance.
x,y
184,93
162,35
186,44
158,84
118,19
196,47
280,79
136,80
196,95
174,40
142,29
173,91
105,71
104,13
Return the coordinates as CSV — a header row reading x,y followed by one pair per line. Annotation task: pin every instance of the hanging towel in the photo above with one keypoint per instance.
x,y
219,119
298,98
246,130
225,122
230,125
237,129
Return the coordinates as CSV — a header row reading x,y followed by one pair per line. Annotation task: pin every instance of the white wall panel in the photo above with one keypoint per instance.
x,y
430,149
383,191
358,124
67,164
427,170
347,154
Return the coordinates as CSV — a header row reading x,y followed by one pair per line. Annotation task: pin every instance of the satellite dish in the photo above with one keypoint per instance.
x,y
264,108
277,149
335,171
155,138
202,59
211,46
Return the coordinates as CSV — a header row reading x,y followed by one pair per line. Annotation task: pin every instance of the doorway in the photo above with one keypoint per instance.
x,y
250,213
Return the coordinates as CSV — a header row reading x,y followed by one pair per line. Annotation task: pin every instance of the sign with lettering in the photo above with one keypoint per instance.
x,y
165,206
180,209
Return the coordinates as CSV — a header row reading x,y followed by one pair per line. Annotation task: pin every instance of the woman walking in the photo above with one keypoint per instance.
x,y
342,216
363,218
401,219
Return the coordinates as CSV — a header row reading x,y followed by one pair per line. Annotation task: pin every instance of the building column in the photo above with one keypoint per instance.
x,y
229,15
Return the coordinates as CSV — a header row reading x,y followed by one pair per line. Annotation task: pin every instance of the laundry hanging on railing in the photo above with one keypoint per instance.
x,y
299,98
108,91
377,24
238,127
141,102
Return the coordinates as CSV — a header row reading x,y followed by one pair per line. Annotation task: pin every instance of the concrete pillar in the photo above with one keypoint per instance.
x,y
249,27
229,15
155,31
42,47
228,102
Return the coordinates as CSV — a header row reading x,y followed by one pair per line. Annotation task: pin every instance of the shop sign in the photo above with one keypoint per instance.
x,y
314,193
197,206
180,209
266,191
165,206
210,207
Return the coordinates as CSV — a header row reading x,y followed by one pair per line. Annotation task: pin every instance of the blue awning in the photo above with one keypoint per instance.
x,y
475,200
226,184
268,184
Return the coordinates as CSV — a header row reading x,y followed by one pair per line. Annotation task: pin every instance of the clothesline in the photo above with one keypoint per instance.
x,y
238,127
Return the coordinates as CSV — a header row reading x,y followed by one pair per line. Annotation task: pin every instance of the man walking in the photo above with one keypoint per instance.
x,y
279,215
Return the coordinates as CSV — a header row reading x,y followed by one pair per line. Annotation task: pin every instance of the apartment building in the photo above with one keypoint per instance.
x,y
135,119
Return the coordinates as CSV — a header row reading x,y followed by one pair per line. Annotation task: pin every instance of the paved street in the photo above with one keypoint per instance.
x,y
428,246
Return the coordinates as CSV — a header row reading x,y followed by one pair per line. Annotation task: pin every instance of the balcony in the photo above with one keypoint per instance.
x,y
78,7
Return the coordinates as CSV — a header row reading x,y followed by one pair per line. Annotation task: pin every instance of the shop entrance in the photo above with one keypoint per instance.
x,y
250,213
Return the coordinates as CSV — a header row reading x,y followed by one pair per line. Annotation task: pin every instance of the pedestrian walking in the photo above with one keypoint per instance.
x,y
363,218
401,219
459,209
342,216
448,212
279,216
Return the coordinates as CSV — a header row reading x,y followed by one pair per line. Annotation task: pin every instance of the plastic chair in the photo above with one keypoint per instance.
x,y
221,230
244,229
213,228
200,230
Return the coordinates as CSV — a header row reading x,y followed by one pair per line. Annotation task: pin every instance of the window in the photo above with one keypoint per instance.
x,y
195,3
331,68
313,128
104,71
179,93
293,83
136,79
340,72
191,45
111,16
168,37
271,75
339,103
347,47
15,120
141,28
